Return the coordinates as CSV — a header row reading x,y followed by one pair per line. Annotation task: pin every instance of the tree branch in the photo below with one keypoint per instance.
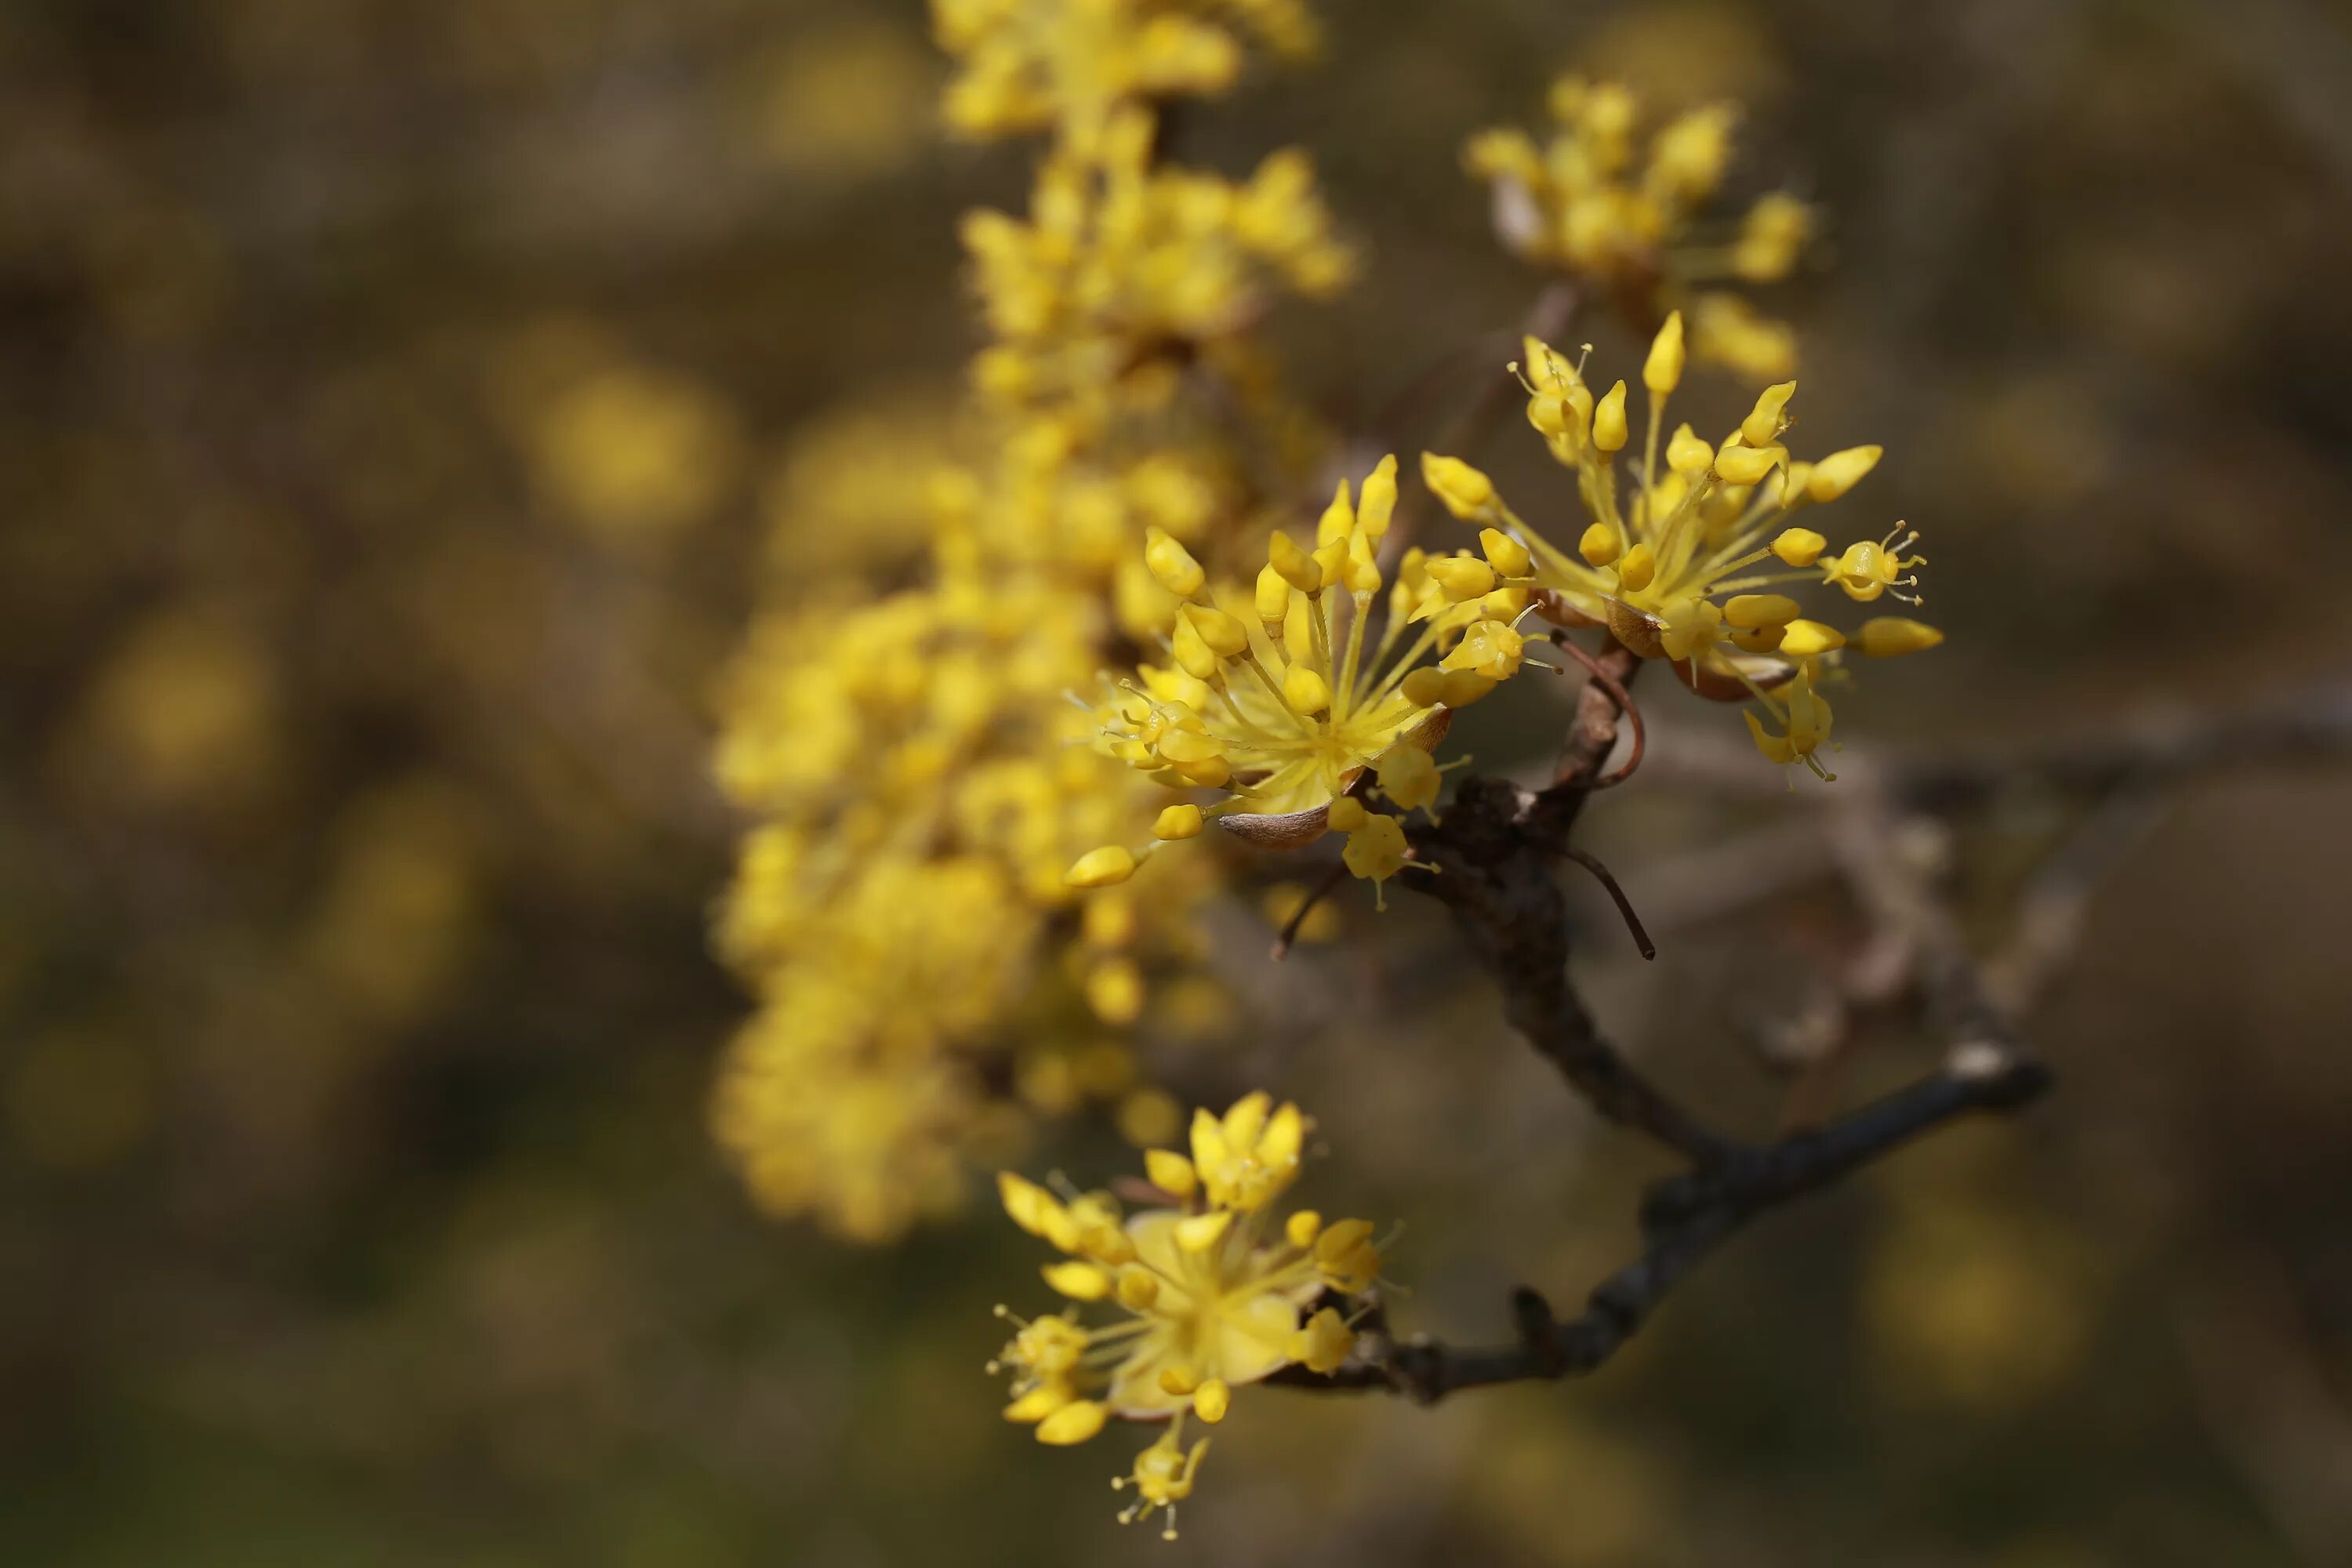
x,y
1495,850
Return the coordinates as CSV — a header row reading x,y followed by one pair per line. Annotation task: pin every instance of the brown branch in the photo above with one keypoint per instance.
x,y
1496,846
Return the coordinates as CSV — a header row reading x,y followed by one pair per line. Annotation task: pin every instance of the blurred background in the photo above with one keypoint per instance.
x,y
402,406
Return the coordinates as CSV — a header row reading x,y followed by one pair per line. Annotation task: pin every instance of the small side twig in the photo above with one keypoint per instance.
x,y
1288,936
1591,863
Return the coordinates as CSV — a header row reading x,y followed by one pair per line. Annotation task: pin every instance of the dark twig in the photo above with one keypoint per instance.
x,y
1615,689
1290,928
1591,863
1496,845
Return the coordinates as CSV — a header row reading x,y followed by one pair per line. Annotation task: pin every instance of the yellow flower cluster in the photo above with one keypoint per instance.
x,y
1282,697
1120,261
1069,66
1215,1293
1701,524
919,778
1586,203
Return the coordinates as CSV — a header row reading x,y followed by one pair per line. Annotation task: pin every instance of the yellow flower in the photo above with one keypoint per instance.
x,y
1806,725
1682,559
1583,203
1283,700
1214,1295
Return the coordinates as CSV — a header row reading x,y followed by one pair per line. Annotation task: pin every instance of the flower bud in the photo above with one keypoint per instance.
x,y
1764,421
1609,430
1891,636
1177,822
1172,563
1841,471
1747,465
1749,611
1798,546
1461,488
1663,371
1297,567
1463,577
1506,555
1101,867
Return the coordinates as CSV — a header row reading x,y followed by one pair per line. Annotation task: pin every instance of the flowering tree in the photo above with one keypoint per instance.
x,y
1128,626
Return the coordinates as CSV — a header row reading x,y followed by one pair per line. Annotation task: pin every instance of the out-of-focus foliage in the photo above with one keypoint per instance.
x,y
356,1018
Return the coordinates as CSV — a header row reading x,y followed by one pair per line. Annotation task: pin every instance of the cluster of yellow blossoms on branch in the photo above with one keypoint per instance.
x,y
1284,697
1585,203
1678,563
1214,1289
920,780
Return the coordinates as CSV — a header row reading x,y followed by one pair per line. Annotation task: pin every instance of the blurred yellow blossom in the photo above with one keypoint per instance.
x,y
1596,201
920,779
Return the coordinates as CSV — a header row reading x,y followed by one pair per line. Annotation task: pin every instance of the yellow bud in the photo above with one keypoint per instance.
x,y
1273,598
1764,421
1177,822
1171,1172
1361,573
1179,1380
1219,630
1211,1400
1101,867
1198,1233
1841,471
1038,1402
1600,545
1803,639
1798,546
1172,563
1209,772
1609,420
1505,603
1687,453
1073,1423
1506,555
1463,490
1663,371
1078,1281
1378,503
1339,519
1331,560
1194,657
1300,1228
1347,814
1295,565
1461,577
1763,639
1426,687
1464,686
1747,465
1641,564
1306,692
1032,1207
1138,1288
1891,636
1748,611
